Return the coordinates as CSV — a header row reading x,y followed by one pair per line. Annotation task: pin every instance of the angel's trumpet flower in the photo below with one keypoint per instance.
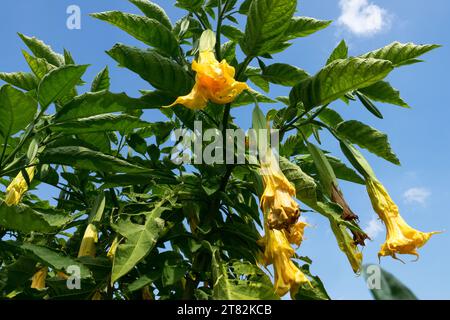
x,y
18,187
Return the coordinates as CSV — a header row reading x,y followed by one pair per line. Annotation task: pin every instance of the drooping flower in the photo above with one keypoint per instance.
x,y
214,80
277,251
400,237
295,233
18,187
38,279
277,200
90,238
112,250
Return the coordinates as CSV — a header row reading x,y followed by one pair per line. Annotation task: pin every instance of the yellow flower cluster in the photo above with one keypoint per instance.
x,y
400,237
282,227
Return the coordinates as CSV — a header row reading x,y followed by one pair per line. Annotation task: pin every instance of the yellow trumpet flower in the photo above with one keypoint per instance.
x,y
400,237
18,187
38,279
278,252
112,250
90,238
214,80
278,197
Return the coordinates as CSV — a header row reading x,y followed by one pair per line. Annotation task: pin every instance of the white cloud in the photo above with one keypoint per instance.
x,y
374,227
362,18
416,195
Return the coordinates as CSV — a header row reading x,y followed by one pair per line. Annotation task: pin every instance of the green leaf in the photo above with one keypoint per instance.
x,y
338,78
95,103
58,83
162,73
401,53
390,288
327,176
305,26
330,117
55,260
369,105
267,23
258,119
23,80
39,66
284,74
382,91
232,33
246,282
42,50
315,290
84,158
368,138
101,81
100,123
305,186
191,5
140,240
357,159
153,11
147,30
340,52
17,110
26,219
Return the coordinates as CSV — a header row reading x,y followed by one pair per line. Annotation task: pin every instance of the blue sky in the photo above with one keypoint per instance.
x,y
419,135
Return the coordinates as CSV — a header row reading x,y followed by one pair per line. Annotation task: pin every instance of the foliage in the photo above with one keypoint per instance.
x,y
179,231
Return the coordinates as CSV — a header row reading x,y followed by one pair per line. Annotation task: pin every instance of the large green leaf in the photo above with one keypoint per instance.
x,y
338,78
100,123
42,50
58,83
39,66
305,186
340,52
304,26
140,240
284,74
315,290
54,259
84,158
239,280
390,288
382,91
23,80
162,73
401,53
153,11
101,81
368,138
267,23
147,30
95,103
17,110
27,219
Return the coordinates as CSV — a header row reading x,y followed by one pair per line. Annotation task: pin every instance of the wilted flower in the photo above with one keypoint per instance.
x,y
277,199
338,197
18,187
278,252
400,237
214,80
90,238
295,232
146,293
38,279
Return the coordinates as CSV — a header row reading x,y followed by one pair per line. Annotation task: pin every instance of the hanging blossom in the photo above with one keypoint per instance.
x,y
18,187
277,251
90,238
400,237
278,197
214,80
38,279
